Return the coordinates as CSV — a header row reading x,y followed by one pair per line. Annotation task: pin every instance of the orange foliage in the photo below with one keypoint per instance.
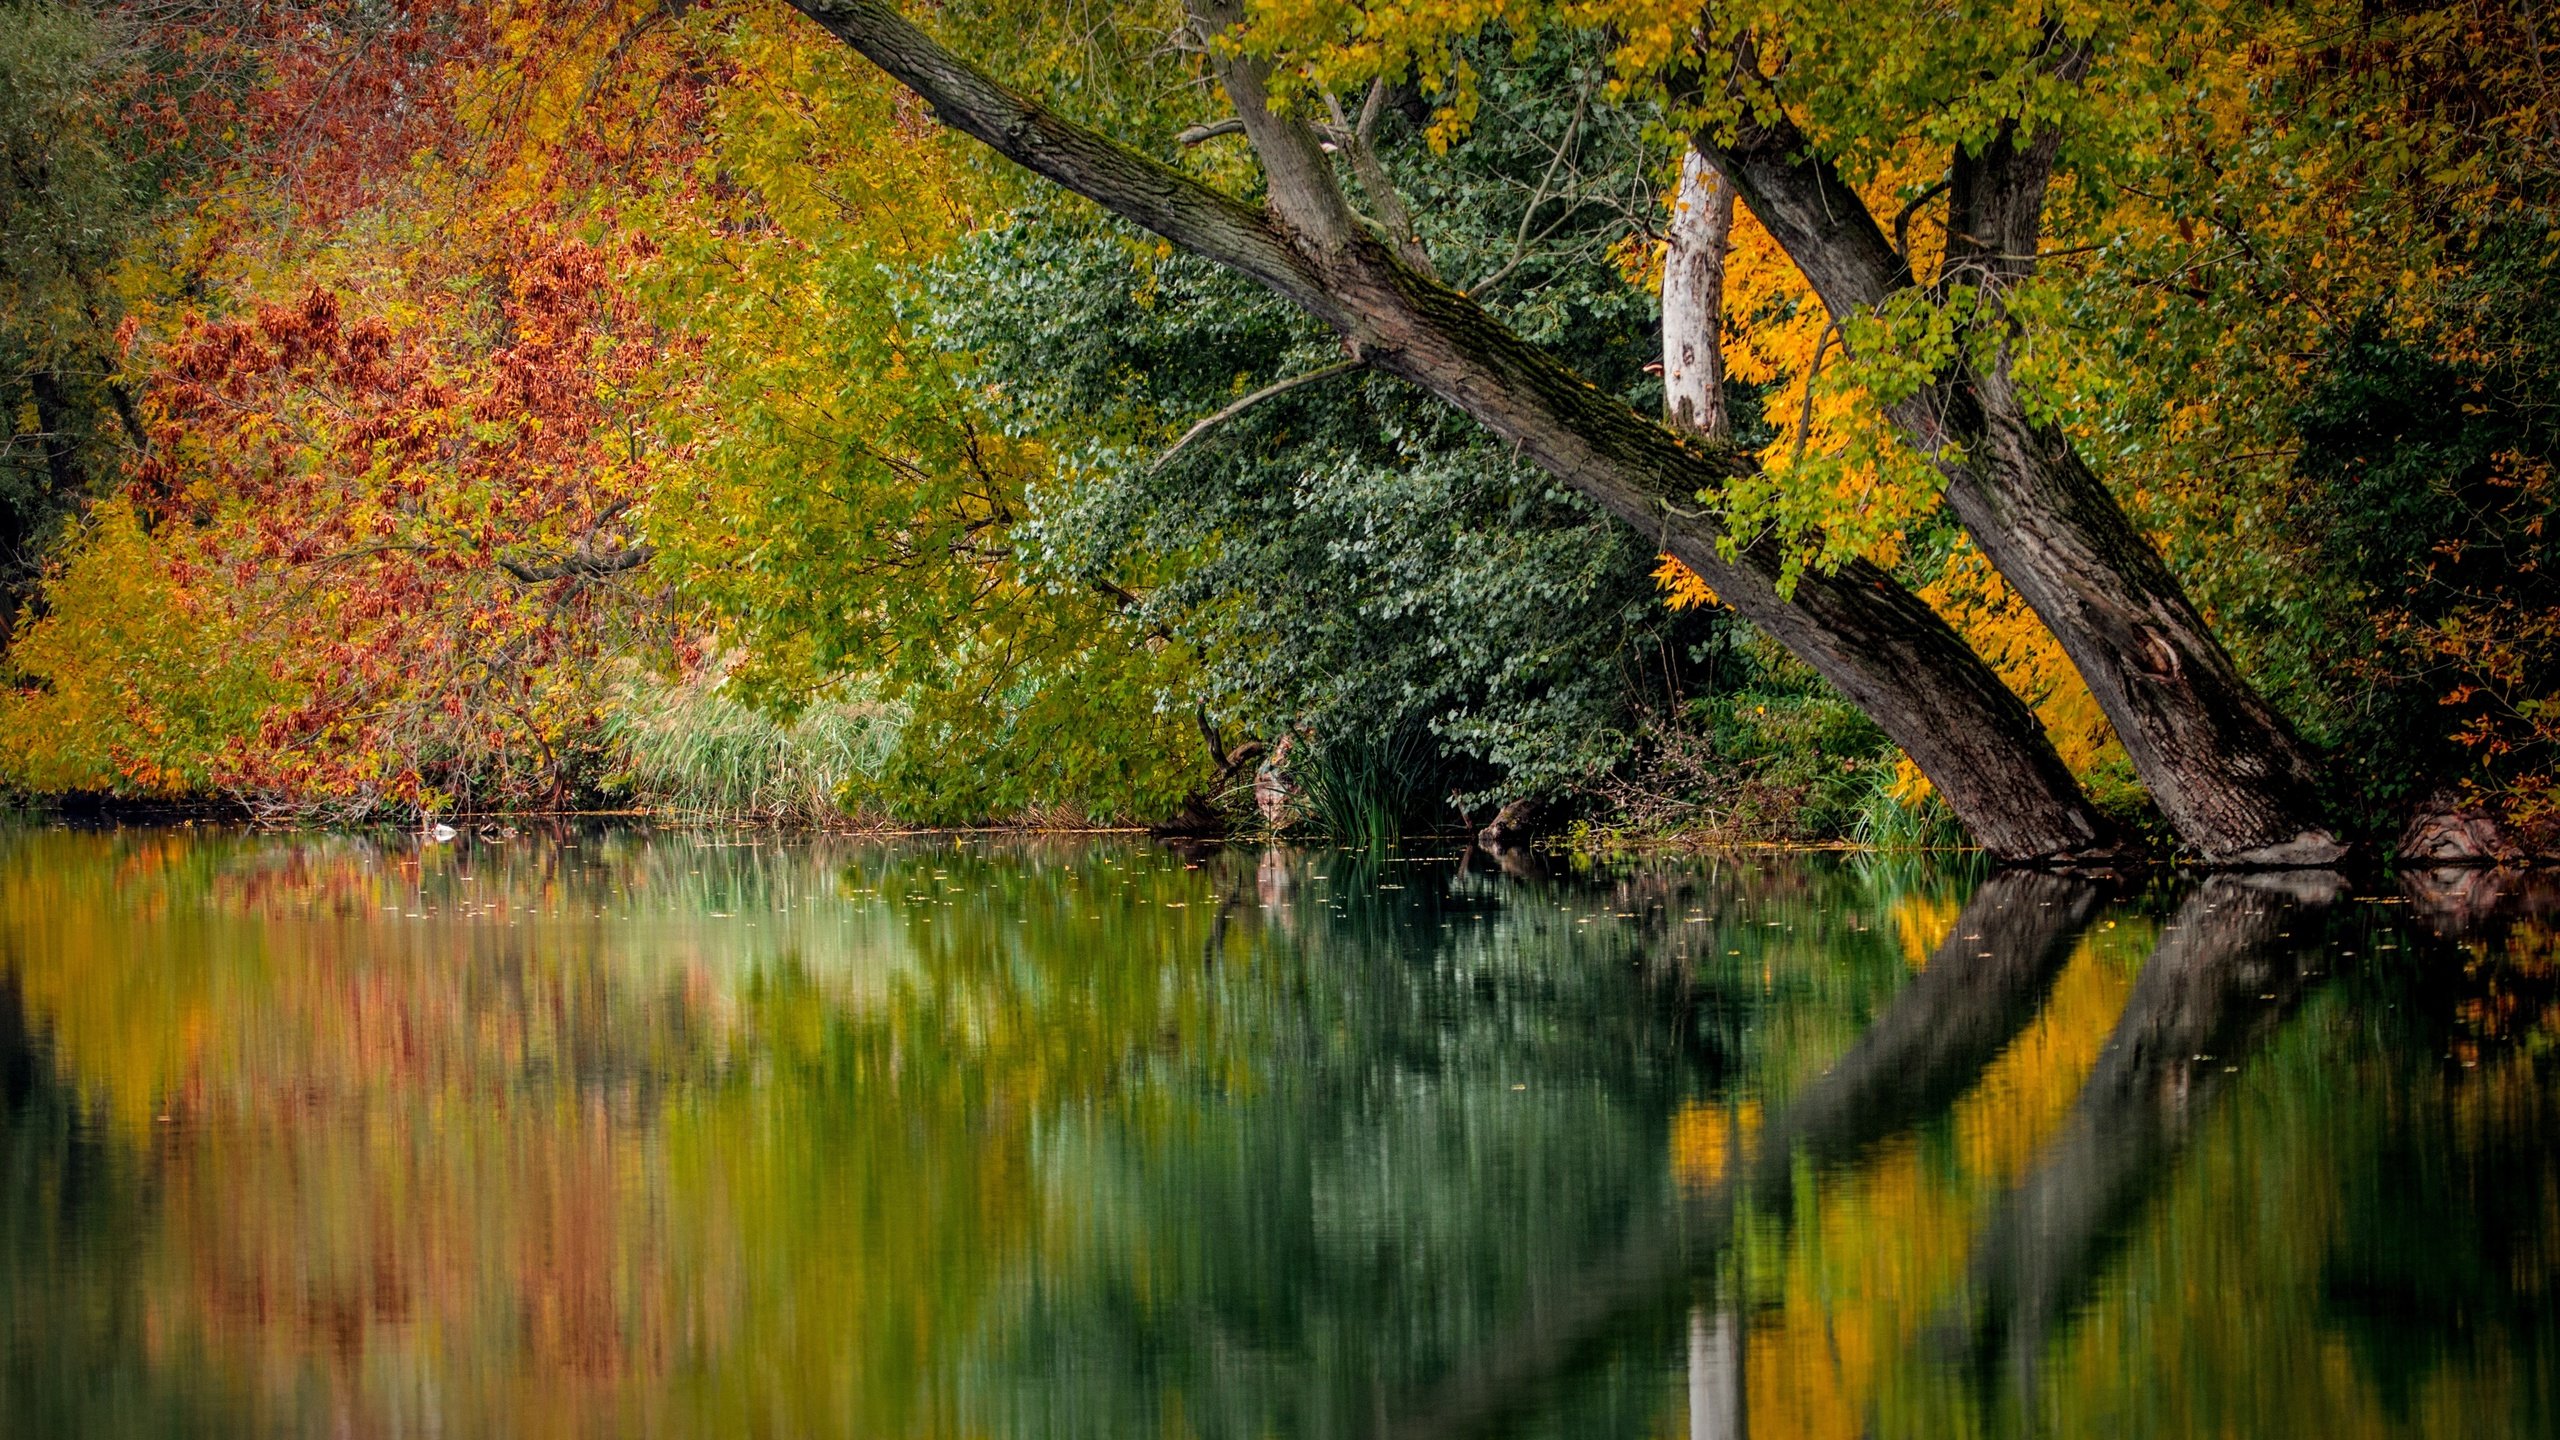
x,y
427,508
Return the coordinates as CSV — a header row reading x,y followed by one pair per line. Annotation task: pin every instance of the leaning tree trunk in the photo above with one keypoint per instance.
x,y
1693,388
2224,768
1866,634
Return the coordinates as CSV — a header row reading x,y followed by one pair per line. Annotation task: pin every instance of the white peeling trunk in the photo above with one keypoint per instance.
x,y
1693,301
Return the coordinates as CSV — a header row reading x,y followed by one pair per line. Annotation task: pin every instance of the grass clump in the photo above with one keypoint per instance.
x,y
694,749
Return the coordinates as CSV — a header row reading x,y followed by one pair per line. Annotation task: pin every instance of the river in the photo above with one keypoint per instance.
x,y
577,1132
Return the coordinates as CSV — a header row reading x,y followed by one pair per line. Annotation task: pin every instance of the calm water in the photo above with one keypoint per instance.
x,y
623,1133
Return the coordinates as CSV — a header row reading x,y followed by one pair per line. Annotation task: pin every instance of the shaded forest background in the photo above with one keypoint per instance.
x,y
421,407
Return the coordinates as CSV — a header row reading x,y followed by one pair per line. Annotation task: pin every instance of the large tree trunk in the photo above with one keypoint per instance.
x,y
2224,768
1888,652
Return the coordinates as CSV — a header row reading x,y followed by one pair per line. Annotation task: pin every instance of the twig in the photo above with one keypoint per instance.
x,y
1902,220
1277,387
1804,422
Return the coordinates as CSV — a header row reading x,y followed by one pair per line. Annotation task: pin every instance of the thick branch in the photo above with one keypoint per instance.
x,y
1296,171
1155,195
1211,131
1799,196
582,563
1359,143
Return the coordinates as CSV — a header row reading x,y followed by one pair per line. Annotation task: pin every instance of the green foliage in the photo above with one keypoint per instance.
x,y
1350,560
1368,792
1074,745
1887,822
2428,457
125,686
70,200
852,514
1799,738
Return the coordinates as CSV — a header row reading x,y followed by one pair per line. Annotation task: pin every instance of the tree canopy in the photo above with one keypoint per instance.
x,y
2134,414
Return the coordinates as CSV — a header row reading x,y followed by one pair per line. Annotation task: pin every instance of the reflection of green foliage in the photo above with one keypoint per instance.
x,y
706,1133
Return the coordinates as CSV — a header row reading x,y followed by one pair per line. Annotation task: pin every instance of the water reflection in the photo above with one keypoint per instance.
x,y
612,1132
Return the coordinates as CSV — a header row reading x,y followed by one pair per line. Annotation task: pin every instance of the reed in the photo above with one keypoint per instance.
x,y
1365,792
1885,821
696,751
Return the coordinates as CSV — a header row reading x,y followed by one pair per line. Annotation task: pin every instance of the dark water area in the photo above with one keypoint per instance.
x,y
634,1133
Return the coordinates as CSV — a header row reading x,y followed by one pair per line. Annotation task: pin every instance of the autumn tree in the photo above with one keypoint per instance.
x,y
1855,624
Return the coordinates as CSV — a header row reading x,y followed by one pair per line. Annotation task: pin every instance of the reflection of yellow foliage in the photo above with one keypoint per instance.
x,y
2025,1094
1705,1139
1856,1283
1922,923
546,1145
1886,1244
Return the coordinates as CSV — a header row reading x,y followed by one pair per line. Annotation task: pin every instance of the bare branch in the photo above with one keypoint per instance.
x,y
1277,387
1211,131
1902,218
1374,180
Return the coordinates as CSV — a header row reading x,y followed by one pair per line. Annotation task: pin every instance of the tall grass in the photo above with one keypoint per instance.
x,y
1884,821
1365,792
693,749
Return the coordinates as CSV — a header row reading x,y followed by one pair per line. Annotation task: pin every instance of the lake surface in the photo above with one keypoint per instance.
x,y
617,1132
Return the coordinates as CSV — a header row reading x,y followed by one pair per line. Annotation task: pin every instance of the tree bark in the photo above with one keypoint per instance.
x,y
2224,768
1693,300
1885,649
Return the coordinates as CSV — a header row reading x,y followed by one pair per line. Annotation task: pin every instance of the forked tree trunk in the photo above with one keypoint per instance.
x,y
1870,637
2224,768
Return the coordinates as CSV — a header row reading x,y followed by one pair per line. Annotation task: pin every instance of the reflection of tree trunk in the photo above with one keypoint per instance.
x,y
2225,973
19,1062
1978,990
1717,1409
